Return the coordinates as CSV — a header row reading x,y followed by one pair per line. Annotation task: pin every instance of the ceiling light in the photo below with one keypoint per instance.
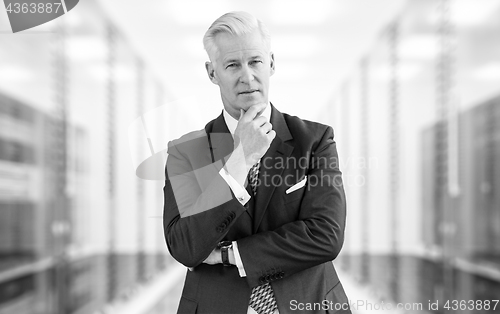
x,y
421,47
488,72
87,48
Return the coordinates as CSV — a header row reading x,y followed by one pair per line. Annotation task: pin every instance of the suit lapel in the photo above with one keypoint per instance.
x,y
277,153
220,139
221,145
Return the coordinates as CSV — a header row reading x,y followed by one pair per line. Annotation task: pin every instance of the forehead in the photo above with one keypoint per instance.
x,y
234,46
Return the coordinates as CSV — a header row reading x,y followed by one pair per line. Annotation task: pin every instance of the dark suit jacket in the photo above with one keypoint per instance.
x,y
288,240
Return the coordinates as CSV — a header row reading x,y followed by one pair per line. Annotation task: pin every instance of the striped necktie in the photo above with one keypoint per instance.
x,y
262,299
253,177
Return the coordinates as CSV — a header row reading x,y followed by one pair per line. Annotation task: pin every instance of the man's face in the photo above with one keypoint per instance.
x,y
242,69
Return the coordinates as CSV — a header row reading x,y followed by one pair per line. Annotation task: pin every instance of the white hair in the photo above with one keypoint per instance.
x,y
234,23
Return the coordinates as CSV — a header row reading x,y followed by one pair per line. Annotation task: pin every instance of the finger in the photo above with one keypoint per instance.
x,y
266,127
260,121
244,118
271,135
260,107
254,110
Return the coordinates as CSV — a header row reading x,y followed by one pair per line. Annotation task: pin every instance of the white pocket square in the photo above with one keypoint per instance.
x,y
297,185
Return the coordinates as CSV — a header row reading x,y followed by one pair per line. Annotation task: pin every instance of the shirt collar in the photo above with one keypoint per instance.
x,y
232,123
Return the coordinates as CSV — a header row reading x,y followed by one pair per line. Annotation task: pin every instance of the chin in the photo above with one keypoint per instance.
x,y
247,105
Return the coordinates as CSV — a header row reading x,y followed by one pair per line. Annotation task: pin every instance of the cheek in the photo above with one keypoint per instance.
x,y
228,83
227,90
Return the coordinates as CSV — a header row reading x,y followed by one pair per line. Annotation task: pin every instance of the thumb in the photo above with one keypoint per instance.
x,y
242,112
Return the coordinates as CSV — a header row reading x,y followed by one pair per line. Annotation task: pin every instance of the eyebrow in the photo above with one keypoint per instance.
x,y
230,61
256,57
238,60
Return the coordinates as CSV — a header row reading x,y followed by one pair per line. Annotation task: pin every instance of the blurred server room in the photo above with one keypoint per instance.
x,y
411,88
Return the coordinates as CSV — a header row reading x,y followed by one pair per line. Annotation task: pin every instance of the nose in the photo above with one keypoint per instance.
x,y
246,75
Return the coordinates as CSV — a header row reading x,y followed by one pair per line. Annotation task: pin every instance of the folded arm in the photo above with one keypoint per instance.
x,y
318,233
199,208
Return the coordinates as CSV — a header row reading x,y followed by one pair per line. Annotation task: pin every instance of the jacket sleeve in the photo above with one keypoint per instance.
x,y
199,207
318,233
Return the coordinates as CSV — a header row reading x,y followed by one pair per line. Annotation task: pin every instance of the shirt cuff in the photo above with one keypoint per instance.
x,y
237,259
241,193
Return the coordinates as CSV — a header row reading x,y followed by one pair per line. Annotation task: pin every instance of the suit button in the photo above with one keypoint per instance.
x,y
268,278
262,280
282,274
233,215
219,229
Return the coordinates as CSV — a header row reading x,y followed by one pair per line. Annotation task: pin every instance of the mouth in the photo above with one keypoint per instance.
x,y
249,92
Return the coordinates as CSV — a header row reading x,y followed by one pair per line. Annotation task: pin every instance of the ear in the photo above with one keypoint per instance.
x,y
211,72
271,63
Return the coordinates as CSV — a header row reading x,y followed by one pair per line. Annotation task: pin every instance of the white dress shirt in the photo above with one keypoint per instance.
x,y
239,191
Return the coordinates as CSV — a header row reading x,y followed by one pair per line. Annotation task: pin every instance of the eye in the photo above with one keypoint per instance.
x,y
255,62
230,65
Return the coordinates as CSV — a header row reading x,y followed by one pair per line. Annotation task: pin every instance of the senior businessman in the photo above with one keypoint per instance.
x,y
254,202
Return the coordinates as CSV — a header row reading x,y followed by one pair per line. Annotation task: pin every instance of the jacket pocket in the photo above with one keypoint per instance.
x,y
187,306
294,196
